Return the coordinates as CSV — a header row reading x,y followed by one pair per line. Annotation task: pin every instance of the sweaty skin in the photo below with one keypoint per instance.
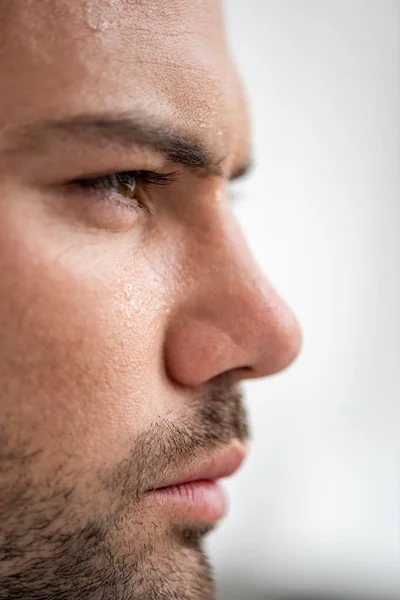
x,y
126,321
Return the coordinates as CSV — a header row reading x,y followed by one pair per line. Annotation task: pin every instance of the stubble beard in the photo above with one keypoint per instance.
x,y
47,552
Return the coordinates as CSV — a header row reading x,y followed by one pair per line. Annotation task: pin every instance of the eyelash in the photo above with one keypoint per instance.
x,y
106,185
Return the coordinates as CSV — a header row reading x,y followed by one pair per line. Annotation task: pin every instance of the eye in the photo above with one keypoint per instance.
x,y
114,200
122,187
125,183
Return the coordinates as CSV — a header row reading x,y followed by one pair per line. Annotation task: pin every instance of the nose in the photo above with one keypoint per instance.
x,y
230,319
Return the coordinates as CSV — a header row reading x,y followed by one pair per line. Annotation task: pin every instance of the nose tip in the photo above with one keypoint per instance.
x,y
281,342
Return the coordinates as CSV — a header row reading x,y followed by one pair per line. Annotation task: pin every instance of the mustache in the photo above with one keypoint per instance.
x,y
214,417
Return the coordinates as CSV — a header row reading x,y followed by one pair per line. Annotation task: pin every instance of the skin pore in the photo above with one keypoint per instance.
x,y
130,306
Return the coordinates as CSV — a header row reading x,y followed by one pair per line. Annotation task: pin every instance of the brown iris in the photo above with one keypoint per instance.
x,y
125,183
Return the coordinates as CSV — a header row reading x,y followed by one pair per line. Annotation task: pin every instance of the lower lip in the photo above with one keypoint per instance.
x,y
200,501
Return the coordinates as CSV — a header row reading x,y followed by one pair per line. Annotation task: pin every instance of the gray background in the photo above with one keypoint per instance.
x,y
317,507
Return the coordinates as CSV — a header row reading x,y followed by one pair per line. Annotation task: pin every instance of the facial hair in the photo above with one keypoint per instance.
x,y
48,552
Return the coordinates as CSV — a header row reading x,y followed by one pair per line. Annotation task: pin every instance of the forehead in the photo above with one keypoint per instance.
x,y
167,58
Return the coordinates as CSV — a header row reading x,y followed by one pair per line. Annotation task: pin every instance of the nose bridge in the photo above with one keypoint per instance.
x,y
230,276
249,307
235,320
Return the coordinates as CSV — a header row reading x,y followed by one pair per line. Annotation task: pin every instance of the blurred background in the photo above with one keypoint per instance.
x,y
315,514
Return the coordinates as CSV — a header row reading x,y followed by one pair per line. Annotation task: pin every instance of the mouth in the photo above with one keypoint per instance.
x,y
197,496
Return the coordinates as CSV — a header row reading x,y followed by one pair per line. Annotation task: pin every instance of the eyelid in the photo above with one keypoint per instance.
x,y
104,188
144,177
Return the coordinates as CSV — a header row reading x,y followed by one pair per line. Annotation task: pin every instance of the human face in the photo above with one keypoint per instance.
x,y
130,307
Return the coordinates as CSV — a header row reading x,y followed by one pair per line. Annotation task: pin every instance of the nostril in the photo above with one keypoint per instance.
x,y
240,373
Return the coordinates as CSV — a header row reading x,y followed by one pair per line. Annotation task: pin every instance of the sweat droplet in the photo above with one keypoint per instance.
x,y
128,287
95,17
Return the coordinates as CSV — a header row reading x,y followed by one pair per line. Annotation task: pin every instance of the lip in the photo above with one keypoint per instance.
x,y
197,496
222,465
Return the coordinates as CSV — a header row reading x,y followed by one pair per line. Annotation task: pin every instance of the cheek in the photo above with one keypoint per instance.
x,y
80,346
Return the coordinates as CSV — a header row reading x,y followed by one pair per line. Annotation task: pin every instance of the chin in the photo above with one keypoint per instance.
x,y
170,565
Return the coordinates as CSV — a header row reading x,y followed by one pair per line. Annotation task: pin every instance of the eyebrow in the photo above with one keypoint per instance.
x,y
178,146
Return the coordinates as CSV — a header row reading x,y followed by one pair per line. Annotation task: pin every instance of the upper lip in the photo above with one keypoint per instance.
x,y
223,464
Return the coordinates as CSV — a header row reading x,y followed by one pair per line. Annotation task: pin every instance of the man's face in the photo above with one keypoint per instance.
x,y
130,307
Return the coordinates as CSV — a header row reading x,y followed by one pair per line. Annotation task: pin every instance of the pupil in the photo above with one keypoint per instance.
x,y
127,184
